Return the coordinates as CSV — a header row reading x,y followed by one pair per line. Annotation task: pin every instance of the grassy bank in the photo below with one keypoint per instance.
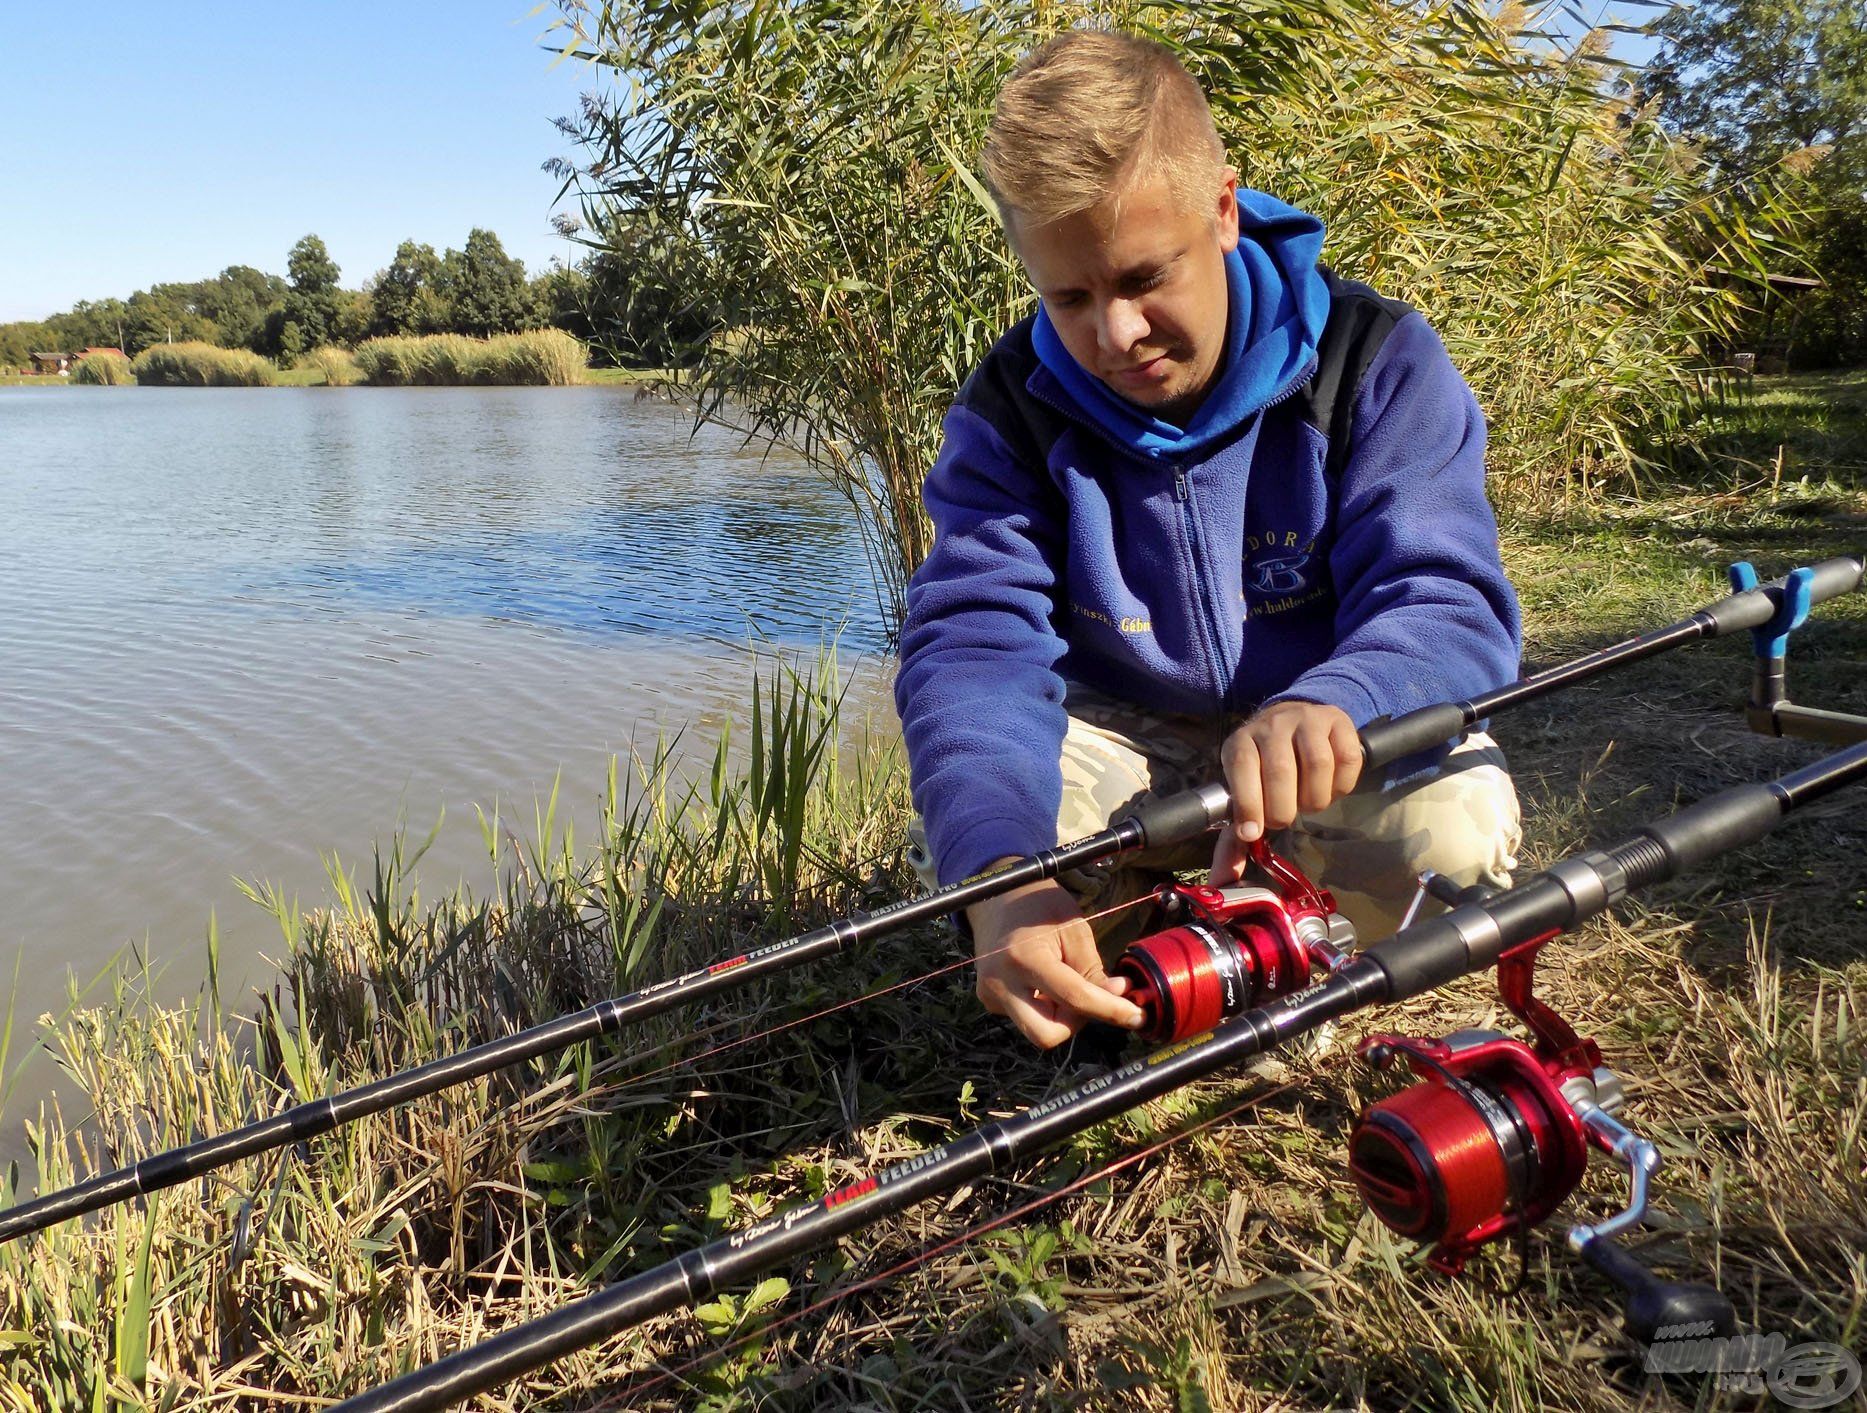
x,y
1231,1271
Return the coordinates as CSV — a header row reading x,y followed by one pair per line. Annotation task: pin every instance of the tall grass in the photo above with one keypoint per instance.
x,y
337,363
805,170
108,370
201,365
541,358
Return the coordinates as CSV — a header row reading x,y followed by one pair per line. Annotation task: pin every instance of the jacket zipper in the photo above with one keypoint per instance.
x,y
1182,494
1208,629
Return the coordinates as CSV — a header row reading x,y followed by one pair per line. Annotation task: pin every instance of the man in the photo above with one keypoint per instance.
x,y
1151,564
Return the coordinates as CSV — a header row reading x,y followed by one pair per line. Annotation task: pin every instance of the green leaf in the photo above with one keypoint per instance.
x,y
766,1293
719,1201
717,1317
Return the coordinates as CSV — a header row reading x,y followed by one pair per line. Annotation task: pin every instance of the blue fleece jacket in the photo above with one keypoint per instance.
x,y
1211,569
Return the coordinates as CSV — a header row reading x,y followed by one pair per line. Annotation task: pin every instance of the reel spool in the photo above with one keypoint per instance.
x,y
1240,947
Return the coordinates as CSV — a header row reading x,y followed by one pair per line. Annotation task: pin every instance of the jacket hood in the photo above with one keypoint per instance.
x,y
1279,302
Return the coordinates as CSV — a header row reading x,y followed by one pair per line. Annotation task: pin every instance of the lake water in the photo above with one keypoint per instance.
x,y
239,628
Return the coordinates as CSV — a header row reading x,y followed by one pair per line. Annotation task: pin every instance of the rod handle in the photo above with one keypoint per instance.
x,y
1388,739
1183,816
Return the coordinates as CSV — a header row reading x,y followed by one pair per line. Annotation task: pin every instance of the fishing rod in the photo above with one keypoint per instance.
x,y
1153,823
1492,1137
1773,609
1770,611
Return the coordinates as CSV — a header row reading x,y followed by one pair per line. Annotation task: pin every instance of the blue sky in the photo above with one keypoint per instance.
x,y
146,141
166,141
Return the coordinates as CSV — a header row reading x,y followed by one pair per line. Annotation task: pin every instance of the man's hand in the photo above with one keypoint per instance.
x,y
1038,966
1292,758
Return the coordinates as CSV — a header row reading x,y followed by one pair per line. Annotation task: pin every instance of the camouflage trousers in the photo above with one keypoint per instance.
x,y
1368,848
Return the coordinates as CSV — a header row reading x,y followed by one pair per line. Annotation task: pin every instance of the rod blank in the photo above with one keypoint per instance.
x,y
1386,740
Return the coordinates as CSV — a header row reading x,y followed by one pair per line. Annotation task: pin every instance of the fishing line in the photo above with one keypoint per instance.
x,y
940,1248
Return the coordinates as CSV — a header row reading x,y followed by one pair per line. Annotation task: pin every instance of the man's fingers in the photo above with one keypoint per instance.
x,y
1228,859
993,994
1278,767
1347,754
1061,983
1244,781
1315,753
1041,1029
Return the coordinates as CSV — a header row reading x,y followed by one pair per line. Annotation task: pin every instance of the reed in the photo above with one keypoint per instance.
x,y
540,358
107,370
201,365
337,364
804,170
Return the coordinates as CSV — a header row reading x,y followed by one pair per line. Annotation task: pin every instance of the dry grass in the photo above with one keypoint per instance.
x,y
1231,1271
106,370
335,364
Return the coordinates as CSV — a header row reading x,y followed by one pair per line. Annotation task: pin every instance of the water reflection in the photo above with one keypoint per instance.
x,y
243,627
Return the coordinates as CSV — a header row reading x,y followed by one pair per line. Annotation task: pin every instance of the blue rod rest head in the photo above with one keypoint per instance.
x,y
1792,610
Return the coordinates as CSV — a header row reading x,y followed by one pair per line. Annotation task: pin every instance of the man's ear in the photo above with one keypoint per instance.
x,y
1226,212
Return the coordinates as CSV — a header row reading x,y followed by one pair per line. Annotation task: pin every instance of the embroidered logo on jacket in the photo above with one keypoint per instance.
x,y
1280,573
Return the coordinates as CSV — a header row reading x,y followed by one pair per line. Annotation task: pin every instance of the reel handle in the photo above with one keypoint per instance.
x,y
1654,1304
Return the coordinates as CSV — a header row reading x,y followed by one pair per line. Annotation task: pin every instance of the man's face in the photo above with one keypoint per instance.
x,y
1137,292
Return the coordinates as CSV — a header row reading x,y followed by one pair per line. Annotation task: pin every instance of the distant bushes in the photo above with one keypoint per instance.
x,y
337,363
104,370
543,358
201,365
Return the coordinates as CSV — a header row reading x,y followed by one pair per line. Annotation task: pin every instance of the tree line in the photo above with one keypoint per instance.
x,y
477,290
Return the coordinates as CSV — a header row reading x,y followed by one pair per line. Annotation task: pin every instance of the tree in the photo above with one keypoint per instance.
x,y
1759,80
407,298
310,268
160,315
237,301
561,297
486,288
308,315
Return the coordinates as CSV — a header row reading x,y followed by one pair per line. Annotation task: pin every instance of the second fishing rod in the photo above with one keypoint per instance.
x,y
1155,823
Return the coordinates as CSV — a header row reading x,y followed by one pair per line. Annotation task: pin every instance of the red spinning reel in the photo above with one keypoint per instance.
x,y
1494,1135
1496,1132
1240,947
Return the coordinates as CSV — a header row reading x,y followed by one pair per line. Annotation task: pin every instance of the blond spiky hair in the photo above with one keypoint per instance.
x,y
1088,115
